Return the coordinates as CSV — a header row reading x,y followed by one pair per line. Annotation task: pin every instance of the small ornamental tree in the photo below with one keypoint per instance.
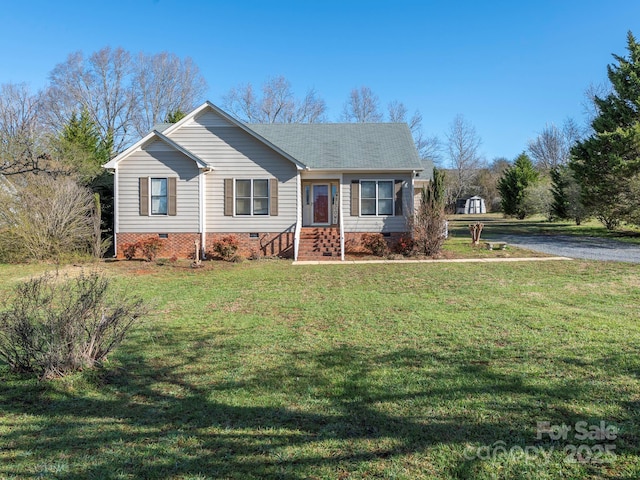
x,y
513,186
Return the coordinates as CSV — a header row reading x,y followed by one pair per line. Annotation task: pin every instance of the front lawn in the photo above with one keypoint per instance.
x,y
268,370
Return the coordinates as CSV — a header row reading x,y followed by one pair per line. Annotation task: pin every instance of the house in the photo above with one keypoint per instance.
x,y
471,205
292,190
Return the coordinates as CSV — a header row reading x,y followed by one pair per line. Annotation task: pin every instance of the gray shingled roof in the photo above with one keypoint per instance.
x,y
348,146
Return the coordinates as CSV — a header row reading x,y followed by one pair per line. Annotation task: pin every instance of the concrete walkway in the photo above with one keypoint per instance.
x,y
453,260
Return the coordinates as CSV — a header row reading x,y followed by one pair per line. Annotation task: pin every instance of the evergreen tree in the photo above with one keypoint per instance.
x,y
436,191
607,164
430,221
567,202
82,149
175,116
513,186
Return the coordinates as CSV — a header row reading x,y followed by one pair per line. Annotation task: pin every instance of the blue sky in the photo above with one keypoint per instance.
x,y
509,67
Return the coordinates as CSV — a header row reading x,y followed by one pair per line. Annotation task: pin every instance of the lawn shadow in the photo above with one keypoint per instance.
x,y
154,423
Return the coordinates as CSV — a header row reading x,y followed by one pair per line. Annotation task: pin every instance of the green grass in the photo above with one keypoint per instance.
x,y
268,370
496,224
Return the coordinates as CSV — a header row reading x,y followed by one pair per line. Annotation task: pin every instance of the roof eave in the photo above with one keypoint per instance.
x,y
113,163
366,169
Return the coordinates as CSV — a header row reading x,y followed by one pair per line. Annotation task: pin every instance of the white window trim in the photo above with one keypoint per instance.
x,y
393,197
151,179
268,197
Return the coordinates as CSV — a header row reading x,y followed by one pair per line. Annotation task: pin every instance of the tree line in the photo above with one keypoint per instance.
x,y
594,172
573,172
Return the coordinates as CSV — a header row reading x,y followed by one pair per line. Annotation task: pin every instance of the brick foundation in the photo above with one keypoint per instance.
x,y
353,241
264,245
180,245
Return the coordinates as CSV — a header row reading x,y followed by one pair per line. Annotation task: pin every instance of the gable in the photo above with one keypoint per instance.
x,y
209,118
158,158
232,151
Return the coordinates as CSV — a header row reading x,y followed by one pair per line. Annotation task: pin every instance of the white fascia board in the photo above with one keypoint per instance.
x,y
113,163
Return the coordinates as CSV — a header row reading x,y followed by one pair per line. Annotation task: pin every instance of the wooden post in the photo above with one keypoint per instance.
x,y
196,257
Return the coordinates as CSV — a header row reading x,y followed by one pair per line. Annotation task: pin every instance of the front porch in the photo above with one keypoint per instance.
x,y
320,231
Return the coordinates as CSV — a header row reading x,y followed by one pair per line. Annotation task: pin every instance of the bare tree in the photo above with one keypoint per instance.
x,y
487,182
463,145
164,84
278,104
398,112
362,106
124,95
101,84
552,146
428,146
312,108
242,103
22,138
45,217
589,105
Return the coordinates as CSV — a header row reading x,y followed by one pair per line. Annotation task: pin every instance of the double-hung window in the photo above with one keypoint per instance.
x,y
376,197
159,196
252,197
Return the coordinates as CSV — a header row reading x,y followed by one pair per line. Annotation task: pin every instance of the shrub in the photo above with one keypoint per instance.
x,y
55,326
46,218
150,247
129,250
375,243
227,248
405,246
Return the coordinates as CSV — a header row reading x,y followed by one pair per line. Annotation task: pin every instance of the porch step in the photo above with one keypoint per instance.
x,y
319,243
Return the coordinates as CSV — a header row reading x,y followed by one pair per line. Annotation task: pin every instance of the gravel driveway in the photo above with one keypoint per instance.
x,y
590,248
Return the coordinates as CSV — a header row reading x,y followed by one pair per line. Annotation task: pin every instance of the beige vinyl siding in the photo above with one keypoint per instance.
x,y
158,160
235,154
209,119
368,223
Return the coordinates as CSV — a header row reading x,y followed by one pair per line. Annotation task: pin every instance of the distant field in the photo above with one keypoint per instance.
x,y
496,224
268,370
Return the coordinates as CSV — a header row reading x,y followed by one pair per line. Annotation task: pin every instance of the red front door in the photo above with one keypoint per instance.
x,y
321,204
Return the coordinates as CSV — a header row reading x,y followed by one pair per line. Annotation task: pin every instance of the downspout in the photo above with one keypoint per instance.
x,y
203,209
341,222
203,213
296,235
413,192
116,214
